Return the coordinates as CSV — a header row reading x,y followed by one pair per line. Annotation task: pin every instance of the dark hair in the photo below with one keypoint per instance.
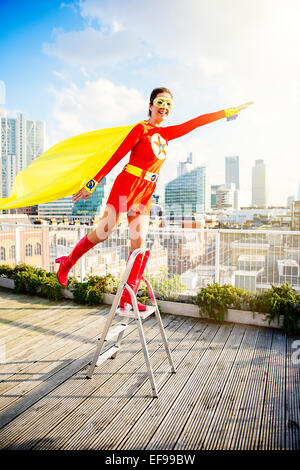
x,y
155,92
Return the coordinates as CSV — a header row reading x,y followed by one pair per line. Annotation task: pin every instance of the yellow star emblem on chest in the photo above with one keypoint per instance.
x,y
161,146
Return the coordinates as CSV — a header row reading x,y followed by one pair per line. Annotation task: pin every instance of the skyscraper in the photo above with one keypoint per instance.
x,y
227,196
188,193
259,184
298,194
184,167
213,195
61,207
232,171
21,141
290,201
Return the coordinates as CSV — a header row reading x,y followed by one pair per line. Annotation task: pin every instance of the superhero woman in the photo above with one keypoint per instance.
x,y
134,186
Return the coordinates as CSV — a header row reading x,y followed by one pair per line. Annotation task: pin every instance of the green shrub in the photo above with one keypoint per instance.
x,y
166,287
36,281
279,300
214,301
91,291
5,271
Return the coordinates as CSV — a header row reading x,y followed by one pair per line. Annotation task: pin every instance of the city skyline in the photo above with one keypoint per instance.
x,y
93,64
21,142
33,143
259,184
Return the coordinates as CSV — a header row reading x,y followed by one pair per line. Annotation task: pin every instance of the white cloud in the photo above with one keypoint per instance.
x,y
94,105
93,48
59,75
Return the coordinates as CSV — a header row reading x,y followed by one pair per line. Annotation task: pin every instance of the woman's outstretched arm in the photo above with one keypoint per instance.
x,y
173,132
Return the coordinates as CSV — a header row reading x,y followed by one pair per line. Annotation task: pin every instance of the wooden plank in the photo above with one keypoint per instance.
x,y
292,405
52,407
203,395
53,328
119,427
208,401
39,350
136,430
40,324
105,400
272,427
12,320
71,366
55,407
245,431
241,408
114,402
227,410
10,309
26,306
42,369
10,298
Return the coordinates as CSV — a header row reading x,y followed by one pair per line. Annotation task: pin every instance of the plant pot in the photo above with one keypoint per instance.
x,y
7,283
246,317
67,293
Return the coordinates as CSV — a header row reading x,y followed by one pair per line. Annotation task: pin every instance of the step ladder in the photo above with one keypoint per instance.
x,y
138,256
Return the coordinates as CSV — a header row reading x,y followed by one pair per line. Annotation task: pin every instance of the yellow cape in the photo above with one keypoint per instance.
x,y
64,168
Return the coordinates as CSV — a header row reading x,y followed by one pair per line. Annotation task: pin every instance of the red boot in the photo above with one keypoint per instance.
x,y
67,262
133,281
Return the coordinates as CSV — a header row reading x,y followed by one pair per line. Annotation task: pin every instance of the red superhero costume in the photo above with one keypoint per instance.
x,y
148,145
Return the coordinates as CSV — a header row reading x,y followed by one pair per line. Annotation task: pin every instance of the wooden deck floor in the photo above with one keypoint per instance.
x,y
236,386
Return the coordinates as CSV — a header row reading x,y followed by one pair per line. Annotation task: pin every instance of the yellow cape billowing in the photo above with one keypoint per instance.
x,y
64,168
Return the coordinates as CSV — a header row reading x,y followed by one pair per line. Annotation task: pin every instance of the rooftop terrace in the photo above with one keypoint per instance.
x,y
236,386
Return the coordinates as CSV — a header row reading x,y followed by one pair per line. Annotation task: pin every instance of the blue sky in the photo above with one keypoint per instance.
x,y
25,69
93,63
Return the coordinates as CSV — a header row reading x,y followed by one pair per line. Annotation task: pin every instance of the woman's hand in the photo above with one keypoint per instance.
x,y
82,194
244,106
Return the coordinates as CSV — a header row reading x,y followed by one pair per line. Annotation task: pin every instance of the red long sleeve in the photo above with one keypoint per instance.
x,y
173,132
129,142
140,155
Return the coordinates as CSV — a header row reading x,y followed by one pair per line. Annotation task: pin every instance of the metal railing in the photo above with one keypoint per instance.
x,y
182,260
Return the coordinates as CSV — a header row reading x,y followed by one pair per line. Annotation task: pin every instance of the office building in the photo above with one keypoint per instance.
x,y
61,207
259,184
185,167
227,197
298,193
188,193
232,171
213,195
21,142
290,201
295,224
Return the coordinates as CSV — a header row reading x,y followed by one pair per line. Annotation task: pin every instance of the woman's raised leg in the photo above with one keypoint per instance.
x,y
105,227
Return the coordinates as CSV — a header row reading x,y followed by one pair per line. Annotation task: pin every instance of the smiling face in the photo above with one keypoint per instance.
x,y
160,109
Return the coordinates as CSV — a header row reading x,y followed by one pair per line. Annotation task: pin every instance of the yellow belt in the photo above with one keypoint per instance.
x,y
135,170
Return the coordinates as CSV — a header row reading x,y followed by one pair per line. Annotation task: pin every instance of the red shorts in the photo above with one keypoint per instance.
x,y
131,193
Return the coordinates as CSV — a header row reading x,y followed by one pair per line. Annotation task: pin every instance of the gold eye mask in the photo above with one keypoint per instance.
x,y
162,102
